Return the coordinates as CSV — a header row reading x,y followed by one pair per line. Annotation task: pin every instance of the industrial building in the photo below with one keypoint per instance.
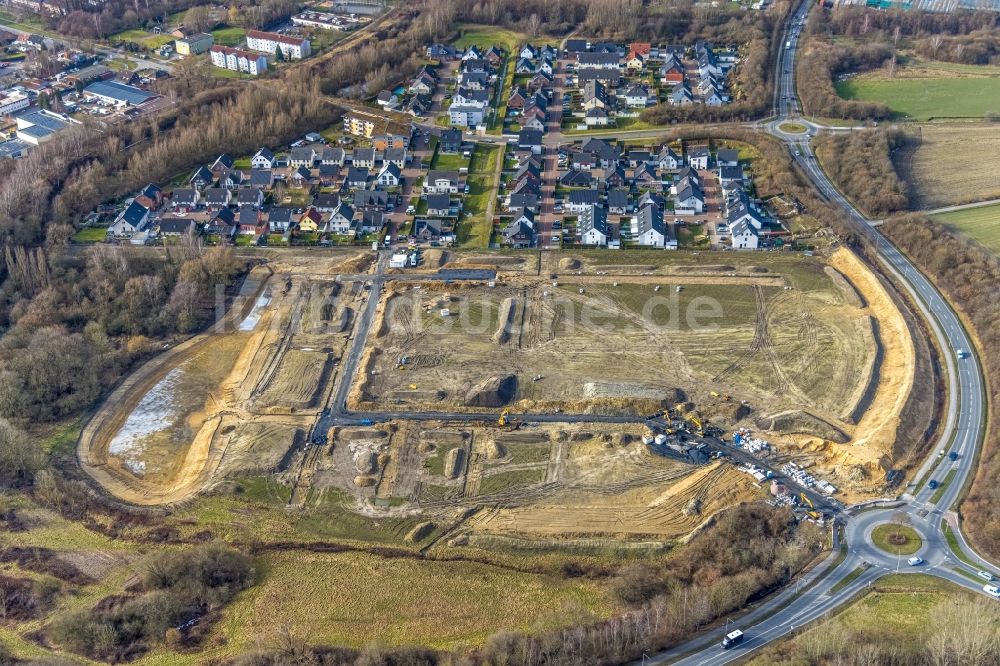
x,y
117,94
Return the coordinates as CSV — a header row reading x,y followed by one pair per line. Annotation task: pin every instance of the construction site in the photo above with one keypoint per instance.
x,y
553,398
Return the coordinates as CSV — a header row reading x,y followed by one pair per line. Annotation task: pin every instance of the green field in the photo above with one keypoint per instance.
x,y
485,36
883,535
147,39
982,224
90,235
229,36
923,99
475,230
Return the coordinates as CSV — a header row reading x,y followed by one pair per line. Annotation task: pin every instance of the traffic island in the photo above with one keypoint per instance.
x,y
896,539
792,128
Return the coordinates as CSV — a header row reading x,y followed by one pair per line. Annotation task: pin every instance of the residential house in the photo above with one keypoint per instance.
x,y
672,71
150,197
310,221
232,179
614,176
201,178
443,52
530,140
332,156
172,227
524,200
592,225
727,157
520,232
439,205
464,115
428,230
424,82
217,198
395,156
441,182
387,100
534,121
341,219
619,202
698,158
546,67
476,81
730,175
637,157
690,200
524,66
540,80
419,105
645,177
222,163
132,219
373,200
326,203
222,224
370,221
574,178
668,160
184,199
363,157
249,222
597,117
610,77
262,159
604,153
302,156
578,201
261,179
651,230
744,236
356,179
529,52
250,197
598,61
595,95
637,96
279,219
450,141
328,174
390,175
680,96
517,98
301,177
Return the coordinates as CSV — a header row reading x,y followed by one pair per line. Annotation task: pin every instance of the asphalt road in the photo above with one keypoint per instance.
x,y
965,420
813,595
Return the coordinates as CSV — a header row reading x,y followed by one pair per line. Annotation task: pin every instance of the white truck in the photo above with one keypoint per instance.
x,y
732,639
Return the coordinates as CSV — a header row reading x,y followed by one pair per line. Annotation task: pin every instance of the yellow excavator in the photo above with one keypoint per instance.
x,y
812,513
696,422
502,421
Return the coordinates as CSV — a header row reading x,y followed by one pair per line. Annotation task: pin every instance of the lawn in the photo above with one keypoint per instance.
x,y
923,99
446,162
229,36
476,229
486,36
884,536
982,224
90,235
147,39
397,601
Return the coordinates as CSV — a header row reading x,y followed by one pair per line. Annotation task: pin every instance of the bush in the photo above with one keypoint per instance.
x,y
860,163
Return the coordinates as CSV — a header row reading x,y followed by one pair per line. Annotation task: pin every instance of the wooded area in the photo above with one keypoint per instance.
x,y
860,164
968,274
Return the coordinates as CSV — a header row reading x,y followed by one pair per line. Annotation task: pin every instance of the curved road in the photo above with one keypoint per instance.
x,y
815,595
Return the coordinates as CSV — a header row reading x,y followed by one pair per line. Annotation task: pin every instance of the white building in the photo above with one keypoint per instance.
x,y
293,48
13,102
238,60
744,236
339,22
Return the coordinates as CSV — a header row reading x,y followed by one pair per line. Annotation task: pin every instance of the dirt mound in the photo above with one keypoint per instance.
x,y
632,390
454,437
569,264
494,391
707,268
759,269
434,258
851,294
804,423
728,414
505,319
493,450
420,532
454,463
365,462
364,481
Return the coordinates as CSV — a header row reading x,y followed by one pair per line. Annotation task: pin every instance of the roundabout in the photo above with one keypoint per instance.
x,y
896,539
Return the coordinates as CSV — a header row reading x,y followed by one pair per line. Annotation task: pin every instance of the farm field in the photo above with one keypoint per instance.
x,y
938,171
981,224
926,89
903,615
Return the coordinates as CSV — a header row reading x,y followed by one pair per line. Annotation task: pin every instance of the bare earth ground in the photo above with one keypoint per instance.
x,y
821,361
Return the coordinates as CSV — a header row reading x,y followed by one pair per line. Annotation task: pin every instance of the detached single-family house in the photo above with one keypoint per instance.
x,y
619,202
262,159
363,157
597,117
341,219
450,141
279,219
744,236
637,96
651,230
201,178
578,201
356,179
727,157
176,226
134,218
310,221
441,182
439,205
698,158
593,226
390,175
668,160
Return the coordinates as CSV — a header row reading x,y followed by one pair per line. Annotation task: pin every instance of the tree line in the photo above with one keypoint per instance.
x,y
820,62
968,274
860,163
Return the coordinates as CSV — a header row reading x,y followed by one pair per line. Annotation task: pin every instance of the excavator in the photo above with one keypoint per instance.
x,y
696,422
812,512
506,422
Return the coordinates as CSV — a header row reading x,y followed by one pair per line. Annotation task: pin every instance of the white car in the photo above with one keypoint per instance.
x,y
961,353
992,590
985,575
915,561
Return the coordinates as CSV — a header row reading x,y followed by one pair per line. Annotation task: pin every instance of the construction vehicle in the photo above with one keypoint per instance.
x,y
502,421
812,512
696,422
506,422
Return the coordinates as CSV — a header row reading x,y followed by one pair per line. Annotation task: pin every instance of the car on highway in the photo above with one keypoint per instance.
x,y
992,590
953,456
733,638
961,353
933,484
915,561
985,575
